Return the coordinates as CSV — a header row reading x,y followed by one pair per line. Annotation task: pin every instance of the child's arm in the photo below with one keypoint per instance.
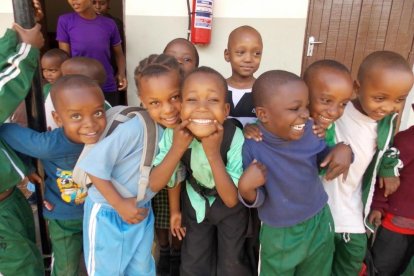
x,y
224,184
175,213
126,207
253,178
379,205
120,63
18,64
338,161
163,171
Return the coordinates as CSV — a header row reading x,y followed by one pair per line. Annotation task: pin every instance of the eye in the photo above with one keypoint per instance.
x,y
325,100
344,104
239,53
296,108
176,98
214,100
154,103
379,99
99,113
258,54
191,100
188,60
76,116
400,100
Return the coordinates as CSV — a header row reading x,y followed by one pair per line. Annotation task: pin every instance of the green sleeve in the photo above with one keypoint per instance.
x,y
18,65
234,165
164,146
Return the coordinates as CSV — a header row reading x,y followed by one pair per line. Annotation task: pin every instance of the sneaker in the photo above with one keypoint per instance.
x,y
163,266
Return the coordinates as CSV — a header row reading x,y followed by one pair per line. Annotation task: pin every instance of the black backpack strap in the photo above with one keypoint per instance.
x,y
229,130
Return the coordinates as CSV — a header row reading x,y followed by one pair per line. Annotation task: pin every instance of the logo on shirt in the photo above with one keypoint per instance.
x,y
70,191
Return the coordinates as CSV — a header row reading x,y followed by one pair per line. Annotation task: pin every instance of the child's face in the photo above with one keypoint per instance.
x,y
329,92
81,113
100,6
51,68
244,53
383,92
184,54
80,6
203,103
286,113
160,95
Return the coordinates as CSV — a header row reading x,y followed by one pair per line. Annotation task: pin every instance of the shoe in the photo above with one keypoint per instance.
x,y
163,266
175,262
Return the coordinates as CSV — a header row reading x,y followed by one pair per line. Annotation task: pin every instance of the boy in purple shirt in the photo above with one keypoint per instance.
x,y
84,33
282,180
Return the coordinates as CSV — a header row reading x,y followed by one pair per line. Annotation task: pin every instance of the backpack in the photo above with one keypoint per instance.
x,y
116,116
229,130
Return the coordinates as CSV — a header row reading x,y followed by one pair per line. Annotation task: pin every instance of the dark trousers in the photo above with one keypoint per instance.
x,y
216,246
392,252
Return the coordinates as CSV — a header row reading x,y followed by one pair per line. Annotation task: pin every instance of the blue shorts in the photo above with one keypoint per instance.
x,y
114,247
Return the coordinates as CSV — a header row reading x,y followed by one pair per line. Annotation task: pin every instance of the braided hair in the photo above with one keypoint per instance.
x,y
156,65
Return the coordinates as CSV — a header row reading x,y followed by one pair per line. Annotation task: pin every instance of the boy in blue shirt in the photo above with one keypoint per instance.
x,y
80,115
281,179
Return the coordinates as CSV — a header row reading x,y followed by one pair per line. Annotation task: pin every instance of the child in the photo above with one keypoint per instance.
x,y
169,259
84,33
384,81
122,231
185,52
244,52
394,243
215,221
84,66
297,227
80,116
19,254
51,63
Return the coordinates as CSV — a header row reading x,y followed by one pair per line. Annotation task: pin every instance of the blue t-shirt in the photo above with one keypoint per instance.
x,y
58,156
293,191
118,158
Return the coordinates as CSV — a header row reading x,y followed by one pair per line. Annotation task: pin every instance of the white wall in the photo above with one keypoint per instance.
x,y
150,25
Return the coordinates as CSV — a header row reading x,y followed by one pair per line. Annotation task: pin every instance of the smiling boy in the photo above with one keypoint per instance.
x,y
281,179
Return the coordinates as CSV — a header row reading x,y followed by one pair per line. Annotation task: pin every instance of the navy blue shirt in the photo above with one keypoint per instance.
x,y
293,191
58,156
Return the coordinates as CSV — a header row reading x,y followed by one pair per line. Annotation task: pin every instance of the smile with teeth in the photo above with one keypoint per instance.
x,y
171,119
325,119
91,134
298,127
202,121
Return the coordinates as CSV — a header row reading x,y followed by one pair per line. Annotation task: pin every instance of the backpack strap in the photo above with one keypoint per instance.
x,y
229,130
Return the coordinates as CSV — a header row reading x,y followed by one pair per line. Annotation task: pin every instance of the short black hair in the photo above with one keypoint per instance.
x,y
71,82
322,64
378,59
267,85
56,53
209,70
242,29
86,66
191,45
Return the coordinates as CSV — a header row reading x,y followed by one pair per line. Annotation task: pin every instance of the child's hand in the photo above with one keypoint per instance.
x,y
338,162
390,184
35,178
175,225
319,131
252,178
122,82
375,217
129,212
252,131
31,36
212,143
182,136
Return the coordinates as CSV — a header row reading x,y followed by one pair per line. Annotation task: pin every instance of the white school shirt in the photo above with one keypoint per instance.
x,y
345,198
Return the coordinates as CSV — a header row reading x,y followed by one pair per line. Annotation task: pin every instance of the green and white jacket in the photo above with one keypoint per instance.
x,y
18,62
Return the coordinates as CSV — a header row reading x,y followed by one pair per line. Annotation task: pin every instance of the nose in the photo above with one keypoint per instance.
x,y
305,114
248,57
168,108
333,111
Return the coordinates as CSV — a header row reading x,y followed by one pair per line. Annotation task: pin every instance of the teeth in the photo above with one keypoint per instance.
x,y
325,119
298,127
91,134
201,121
172,119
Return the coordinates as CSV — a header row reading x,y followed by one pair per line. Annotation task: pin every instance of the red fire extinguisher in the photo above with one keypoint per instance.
x,y
201,20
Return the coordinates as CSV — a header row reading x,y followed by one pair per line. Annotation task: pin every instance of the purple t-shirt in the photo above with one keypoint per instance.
x,y
91,38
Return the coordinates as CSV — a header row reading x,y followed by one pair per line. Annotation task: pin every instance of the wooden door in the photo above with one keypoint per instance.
x,y
349,30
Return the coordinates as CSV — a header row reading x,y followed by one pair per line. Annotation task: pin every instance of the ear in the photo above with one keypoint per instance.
x,y
226,55
57,119
227,109
261,114
356,86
